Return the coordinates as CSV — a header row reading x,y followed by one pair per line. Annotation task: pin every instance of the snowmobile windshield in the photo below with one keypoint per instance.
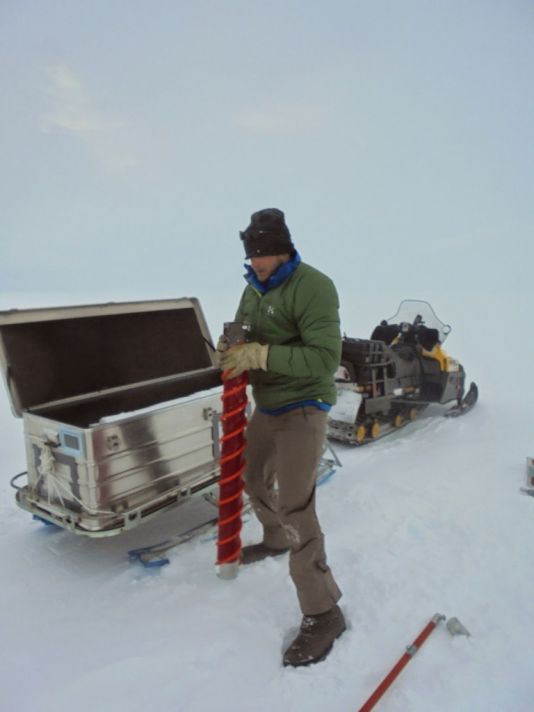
x,y
419,313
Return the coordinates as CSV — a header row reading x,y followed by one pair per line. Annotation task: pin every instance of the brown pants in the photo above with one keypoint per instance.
x,y
287,448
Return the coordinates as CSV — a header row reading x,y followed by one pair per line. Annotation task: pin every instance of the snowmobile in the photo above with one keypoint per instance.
x,y
384,382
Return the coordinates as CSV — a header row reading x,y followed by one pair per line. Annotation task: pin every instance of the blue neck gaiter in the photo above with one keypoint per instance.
x,y
282,273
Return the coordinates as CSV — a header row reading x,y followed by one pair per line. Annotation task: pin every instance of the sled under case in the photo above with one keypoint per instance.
x,y
105,447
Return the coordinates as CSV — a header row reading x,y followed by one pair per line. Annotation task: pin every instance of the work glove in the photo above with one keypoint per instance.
x,y
222,346
237,359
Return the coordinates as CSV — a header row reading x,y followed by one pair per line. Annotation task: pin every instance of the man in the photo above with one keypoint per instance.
x,y
293,353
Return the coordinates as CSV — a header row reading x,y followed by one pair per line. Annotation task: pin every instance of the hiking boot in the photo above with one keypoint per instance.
x,y
257,552
316,638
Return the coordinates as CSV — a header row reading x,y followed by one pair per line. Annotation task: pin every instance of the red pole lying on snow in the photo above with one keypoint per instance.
x,y
404,660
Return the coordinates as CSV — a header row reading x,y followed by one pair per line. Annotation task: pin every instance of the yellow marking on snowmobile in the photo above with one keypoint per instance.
x,y
446,362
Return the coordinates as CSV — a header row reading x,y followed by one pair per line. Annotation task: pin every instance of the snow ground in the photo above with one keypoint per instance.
x,y
428,520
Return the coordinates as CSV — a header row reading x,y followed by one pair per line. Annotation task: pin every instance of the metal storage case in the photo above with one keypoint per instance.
x,y
76,374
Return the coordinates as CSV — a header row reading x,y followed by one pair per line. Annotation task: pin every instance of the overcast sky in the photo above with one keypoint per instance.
x,y
138,137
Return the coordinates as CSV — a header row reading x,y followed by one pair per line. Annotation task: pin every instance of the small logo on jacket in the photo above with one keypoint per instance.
x,y
270,310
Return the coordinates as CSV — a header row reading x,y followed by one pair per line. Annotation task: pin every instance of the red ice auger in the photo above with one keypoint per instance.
x,y
232,462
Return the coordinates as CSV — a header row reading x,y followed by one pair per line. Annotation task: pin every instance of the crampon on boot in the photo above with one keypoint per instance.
x,y
315,638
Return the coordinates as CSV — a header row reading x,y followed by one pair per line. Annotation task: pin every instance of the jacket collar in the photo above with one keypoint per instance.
x,y
282,273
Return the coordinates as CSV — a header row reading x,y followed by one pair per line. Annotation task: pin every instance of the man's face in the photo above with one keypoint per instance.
x,y
264,267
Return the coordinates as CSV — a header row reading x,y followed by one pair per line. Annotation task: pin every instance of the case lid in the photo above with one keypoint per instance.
x,y
61,353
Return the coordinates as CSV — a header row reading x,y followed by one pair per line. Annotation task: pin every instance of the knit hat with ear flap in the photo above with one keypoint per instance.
x,y
267,234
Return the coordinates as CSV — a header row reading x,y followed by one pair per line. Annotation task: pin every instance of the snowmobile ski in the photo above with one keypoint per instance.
x,y
465,405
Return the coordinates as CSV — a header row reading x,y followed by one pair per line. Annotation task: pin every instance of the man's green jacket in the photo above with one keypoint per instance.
x,y
299,319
